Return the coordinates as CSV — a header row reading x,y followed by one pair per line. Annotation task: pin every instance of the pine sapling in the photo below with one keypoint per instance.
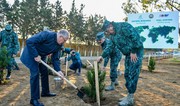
x,y
151,65
90,89
4,61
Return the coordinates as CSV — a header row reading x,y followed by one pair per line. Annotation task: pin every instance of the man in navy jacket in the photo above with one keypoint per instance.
x,y
37,48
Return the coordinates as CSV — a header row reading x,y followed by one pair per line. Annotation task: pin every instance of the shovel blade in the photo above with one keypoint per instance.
x,y
80,93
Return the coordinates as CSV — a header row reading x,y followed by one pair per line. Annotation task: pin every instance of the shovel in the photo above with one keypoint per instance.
x,y
80,93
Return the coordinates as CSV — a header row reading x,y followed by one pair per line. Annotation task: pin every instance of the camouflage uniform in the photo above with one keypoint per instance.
x,y
115,57
9,39
14,62
127,40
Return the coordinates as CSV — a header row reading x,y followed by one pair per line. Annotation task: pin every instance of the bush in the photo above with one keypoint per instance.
x,y
90,89
151,65
4,61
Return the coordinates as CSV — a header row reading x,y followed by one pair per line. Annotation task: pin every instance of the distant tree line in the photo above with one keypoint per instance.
x,y
31,16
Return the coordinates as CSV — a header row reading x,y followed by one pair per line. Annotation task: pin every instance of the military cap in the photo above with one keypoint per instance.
x,y
99,36
8,27
105,25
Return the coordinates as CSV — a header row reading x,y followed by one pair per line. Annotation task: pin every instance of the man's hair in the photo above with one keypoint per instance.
x,y
72,50
64,33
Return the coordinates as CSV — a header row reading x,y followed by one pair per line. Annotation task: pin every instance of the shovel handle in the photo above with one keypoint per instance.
x,y
58,74
89,62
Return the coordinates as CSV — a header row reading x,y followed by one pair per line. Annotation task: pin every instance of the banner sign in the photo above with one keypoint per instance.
x,y
158,30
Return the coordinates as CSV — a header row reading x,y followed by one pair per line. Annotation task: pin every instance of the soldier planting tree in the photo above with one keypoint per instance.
x,y
115,57
127,39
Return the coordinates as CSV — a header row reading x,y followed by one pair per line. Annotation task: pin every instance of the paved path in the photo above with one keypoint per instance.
x,y
83,58
95,57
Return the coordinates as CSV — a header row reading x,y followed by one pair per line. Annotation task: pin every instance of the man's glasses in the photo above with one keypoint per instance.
x,y
64,38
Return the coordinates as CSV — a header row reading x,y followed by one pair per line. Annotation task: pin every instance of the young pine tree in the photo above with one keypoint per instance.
x,y
4,60
151,65
90,89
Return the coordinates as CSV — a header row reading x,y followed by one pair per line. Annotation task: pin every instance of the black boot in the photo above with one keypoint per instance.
x,y
36,103
48,95
8,76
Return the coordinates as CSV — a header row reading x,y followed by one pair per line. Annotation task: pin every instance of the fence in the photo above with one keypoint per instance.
x,y
84,50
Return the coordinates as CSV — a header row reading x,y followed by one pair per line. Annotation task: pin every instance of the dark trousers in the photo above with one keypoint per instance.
x,y
75,66
35,71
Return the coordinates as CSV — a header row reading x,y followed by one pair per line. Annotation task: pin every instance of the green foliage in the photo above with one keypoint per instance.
x,y
30,17
93,26
4,61
142,6
1,76
45,13
5,8
90,89
173,4
58,18
151,65
25,17
75,22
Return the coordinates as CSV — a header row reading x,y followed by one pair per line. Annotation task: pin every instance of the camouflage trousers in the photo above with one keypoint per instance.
x,y
113,66
9,68
14,63
10,65
132,71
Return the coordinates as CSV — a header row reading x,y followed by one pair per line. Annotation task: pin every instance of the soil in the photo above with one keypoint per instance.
x,y
160,88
